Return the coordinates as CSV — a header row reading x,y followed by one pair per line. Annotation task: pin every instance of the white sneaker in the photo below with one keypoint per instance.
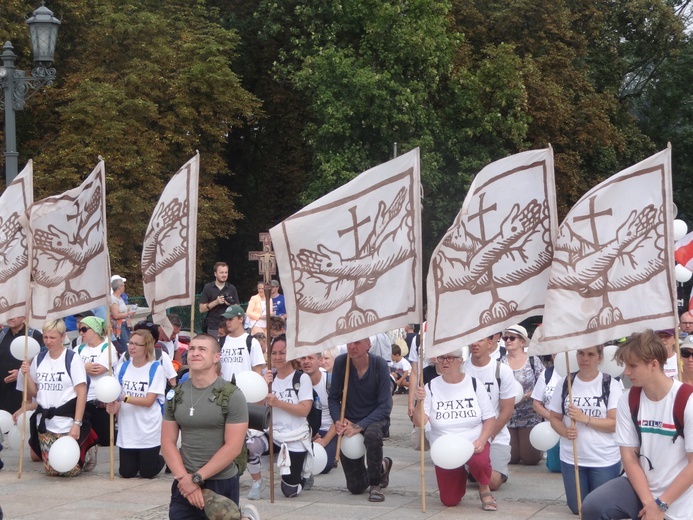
x,y
250,513
256,490
90,458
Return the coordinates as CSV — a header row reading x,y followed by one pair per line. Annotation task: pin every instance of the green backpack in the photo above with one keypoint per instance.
x,y
222,399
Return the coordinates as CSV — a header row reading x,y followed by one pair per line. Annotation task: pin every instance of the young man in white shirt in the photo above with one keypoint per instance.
x,y
658,480
487,372
235,355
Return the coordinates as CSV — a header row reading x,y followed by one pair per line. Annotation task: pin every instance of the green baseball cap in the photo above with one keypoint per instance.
x,y
234,311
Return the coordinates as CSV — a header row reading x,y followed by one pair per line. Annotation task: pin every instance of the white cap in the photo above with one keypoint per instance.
x,y
117,277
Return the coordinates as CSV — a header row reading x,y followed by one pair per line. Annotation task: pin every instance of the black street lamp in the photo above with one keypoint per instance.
x,y
17,87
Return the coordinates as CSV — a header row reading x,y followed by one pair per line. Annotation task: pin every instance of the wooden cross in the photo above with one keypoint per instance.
x,y
592,217
267,262
480,215
355,228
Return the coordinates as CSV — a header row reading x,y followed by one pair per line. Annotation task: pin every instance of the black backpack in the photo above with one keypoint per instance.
x,y
315,415
606,389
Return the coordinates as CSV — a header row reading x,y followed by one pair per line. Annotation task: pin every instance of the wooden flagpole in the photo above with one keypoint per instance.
x,y
422,358
268,305
25,386
111,417
575,450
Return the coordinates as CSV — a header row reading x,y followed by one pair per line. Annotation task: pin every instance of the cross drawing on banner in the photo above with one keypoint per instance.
x,y
267,263
355,228
592,217
480,215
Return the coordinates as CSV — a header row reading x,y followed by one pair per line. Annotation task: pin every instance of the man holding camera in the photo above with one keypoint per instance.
x,y
216,297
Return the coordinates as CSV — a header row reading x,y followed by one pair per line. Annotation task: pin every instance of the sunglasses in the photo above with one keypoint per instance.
x,y
686,353
447,359
509,338
83,330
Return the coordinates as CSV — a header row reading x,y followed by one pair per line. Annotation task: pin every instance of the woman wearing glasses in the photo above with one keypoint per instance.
x,y
527,371
455,403
589,422
290,407
139,408
93,350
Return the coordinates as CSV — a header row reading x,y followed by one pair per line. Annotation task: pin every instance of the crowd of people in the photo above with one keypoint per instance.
x,y
179,408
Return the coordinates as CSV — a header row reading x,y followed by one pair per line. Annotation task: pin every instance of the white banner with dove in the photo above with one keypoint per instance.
x,y
14,249
350,262
70,264
491,268
613,268
170,245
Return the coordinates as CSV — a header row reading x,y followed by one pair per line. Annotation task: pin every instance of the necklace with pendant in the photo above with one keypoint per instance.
x,y
192,405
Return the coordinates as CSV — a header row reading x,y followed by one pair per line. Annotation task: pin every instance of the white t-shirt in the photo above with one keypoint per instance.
x,y
235,357
671,367
283,421
321,390
402,365
486,377
542,391
166,364
99,355
139,426
55,387
456,408
595,449
668,458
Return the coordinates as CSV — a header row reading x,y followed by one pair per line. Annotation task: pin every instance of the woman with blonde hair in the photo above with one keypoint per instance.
x,y
58,381
139,408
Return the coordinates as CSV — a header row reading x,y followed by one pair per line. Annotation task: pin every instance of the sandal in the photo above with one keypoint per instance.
x,y
488,505
385,478
375,494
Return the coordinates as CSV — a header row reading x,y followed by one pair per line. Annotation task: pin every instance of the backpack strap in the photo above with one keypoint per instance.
x,y
606,390
248,343
69,354
296,381
634,405
177,397
123,368
473,383
498,376
222,397
564,393
152,371
680,402
531,364
548,373
3,333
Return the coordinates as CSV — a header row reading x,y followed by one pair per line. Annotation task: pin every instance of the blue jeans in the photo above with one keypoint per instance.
x,y
590,479
181,509
616,499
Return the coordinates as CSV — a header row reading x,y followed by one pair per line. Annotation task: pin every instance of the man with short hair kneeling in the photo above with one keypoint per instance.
x,y
657,460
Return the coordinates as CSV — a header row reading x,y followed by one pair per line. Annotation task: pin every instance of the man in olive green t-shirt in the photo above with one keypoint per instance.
x,y
209,442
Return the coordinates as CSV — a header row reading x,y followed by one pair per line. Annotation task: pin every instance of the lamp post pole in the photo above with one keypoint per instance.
x,y
17,87
11,154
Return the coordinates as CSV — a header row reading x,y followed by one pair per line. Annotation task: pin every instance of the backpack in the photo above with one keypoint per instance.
x,y
221,398
548,373
606,389
315,415
680,402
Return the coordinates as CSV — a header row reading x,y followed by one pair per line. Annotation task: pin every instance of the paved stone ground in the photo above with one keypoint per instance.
x,y
531,492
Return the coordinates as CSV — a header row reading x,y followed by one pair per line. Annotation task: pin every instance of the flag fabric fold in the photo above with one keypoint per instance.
x,y
613,268
491,268
14,250
170,245
683,251
350,262
70,264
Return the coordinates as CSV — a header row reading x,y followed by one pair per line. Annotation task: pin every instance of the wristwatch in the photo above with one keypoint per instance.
x,y
197,479
663,506
78,423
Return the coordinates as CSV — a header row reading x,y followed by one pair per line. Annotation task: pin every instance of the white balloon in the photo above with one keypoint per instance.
x,y
543,437
107,389
64,454
13,439
6,421
451,451
608,365
319,458
680,229
17,347
519,392
252,384
682,274
353,447
559,362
